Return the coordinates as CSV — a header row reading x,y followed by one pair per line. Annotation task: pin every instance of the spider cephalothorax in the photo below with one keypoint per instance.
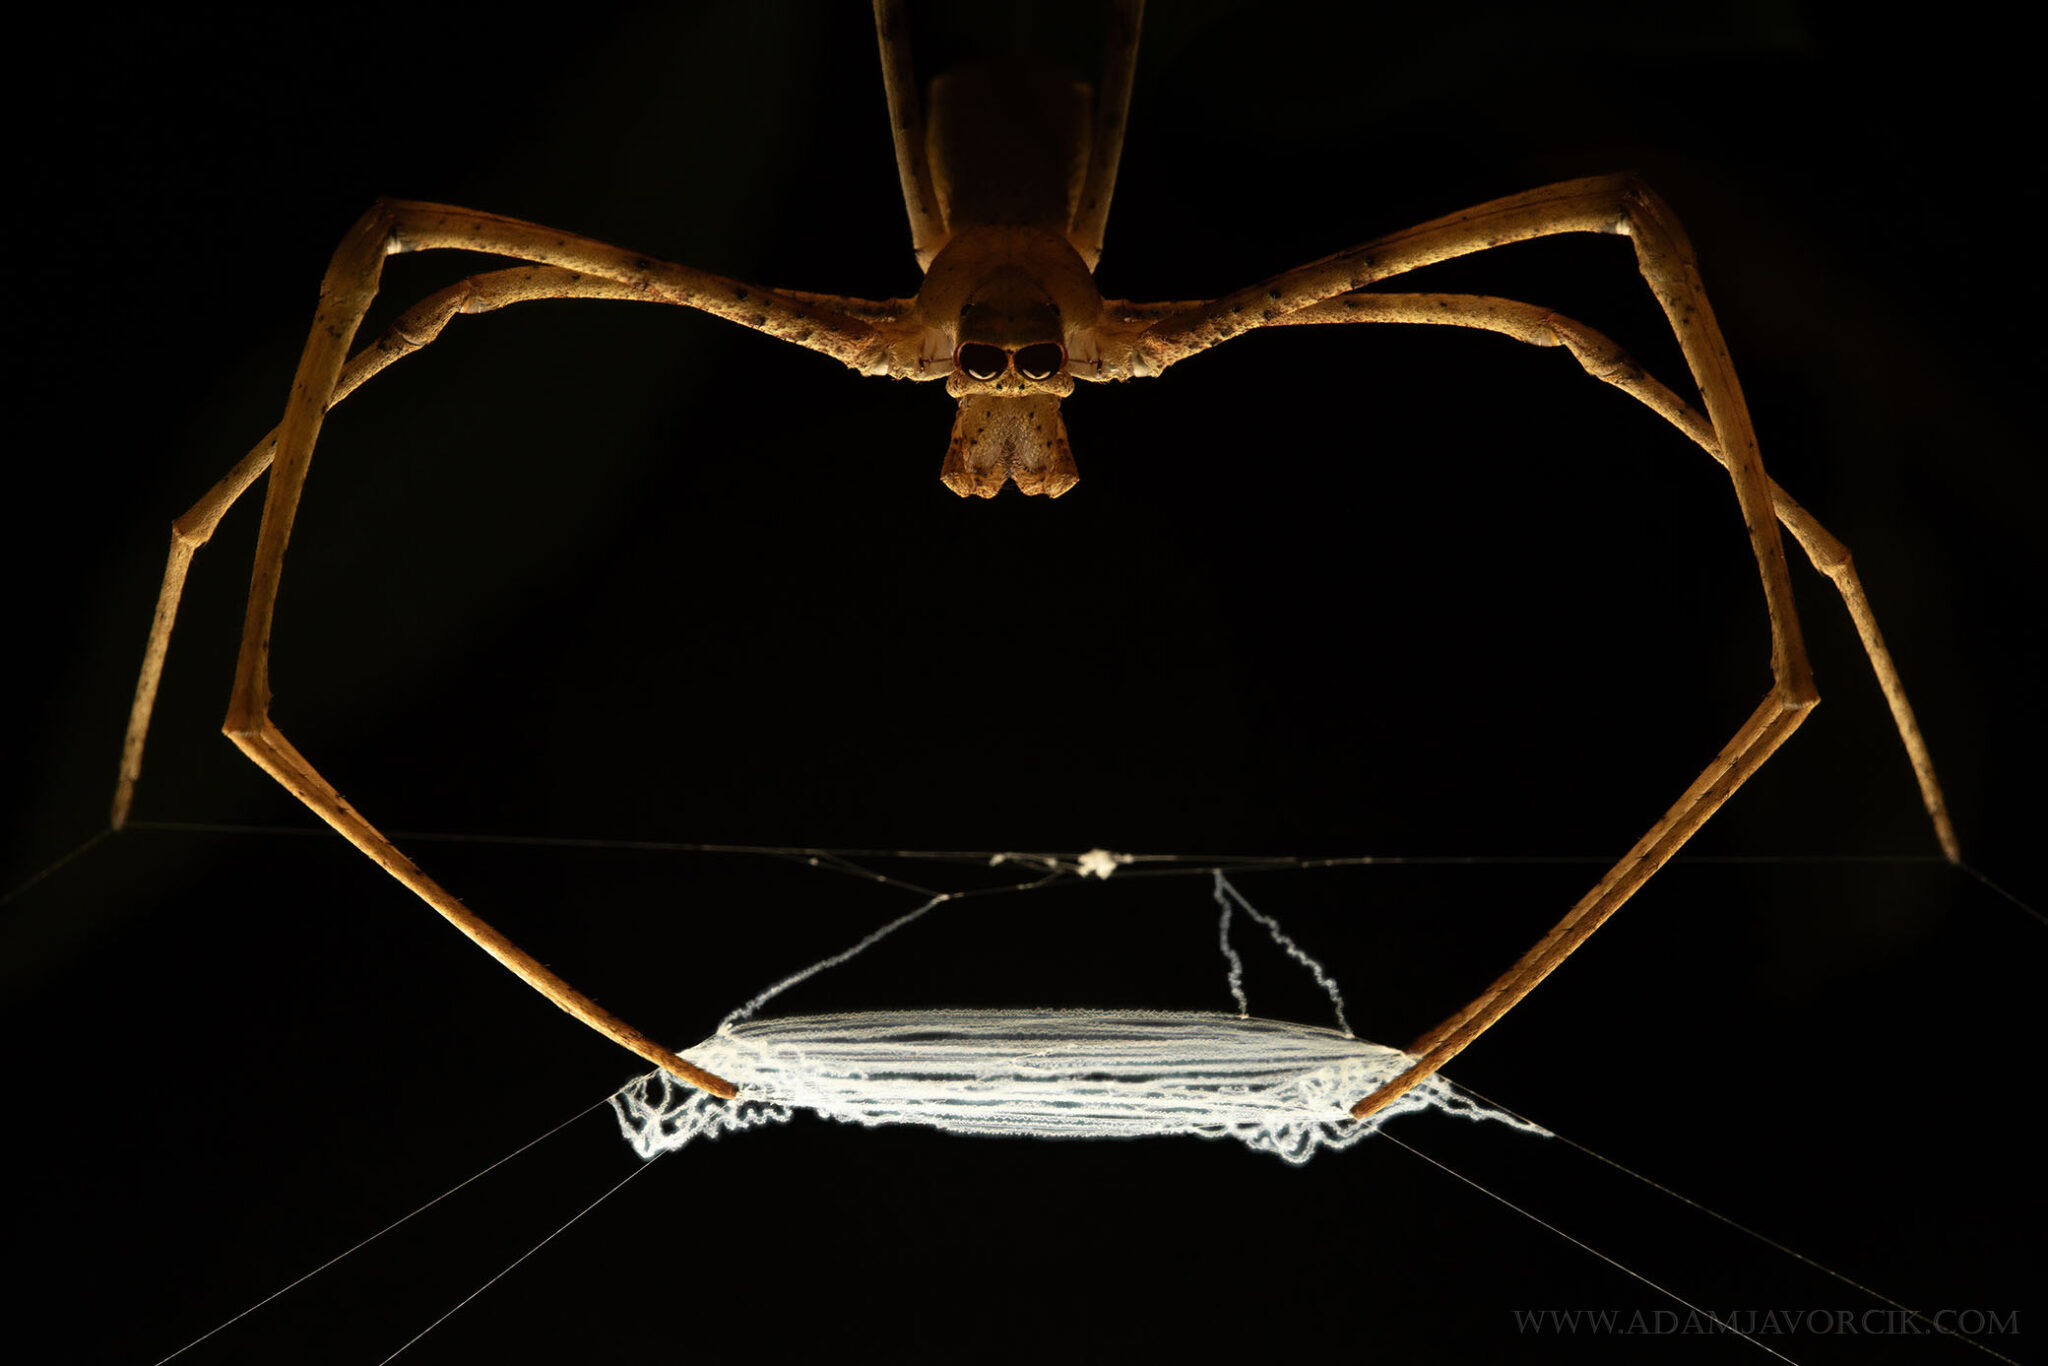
x,y
1008,300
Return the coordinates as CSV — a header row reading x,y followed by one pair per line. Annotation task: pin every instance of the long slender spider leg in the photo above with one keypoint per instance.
x,y
880,311
1112,113
345,295
417,327
1619,204
1603,360
928,231
1767,728
1609,204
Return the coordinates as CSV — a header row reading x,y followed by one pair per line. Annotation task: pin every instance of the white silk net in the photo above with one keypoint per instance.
x,y
1276,1086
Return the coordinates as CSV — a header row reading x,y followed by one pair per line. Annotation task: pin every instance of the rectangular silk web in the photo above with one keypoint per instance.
x,y
1277,1086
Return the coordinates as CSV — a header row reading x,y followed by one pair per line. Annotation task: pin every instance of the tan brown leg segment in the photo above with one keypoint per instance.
x,y
1759,737
906,124
1611,204
264,743
415,329
1604,204
1106,138
345,295
419,326
1603,360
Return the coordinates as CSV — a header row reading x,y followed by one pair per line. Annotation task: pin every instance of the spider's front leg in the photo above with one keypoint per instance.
x,y
1620,205
418,327
1321,291
570,266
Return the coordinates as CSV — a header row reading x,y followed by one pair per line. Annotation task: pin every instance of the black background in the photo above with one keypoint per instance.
x,y
590,570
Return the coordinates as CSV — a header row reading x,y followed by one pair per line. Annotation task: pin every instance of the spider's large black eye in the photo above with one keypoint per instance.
x,y
981,361
1041,360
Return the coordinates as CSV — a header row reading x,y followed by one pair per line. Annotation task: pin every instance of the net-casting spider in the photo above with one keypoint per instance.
x,y
1007,178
